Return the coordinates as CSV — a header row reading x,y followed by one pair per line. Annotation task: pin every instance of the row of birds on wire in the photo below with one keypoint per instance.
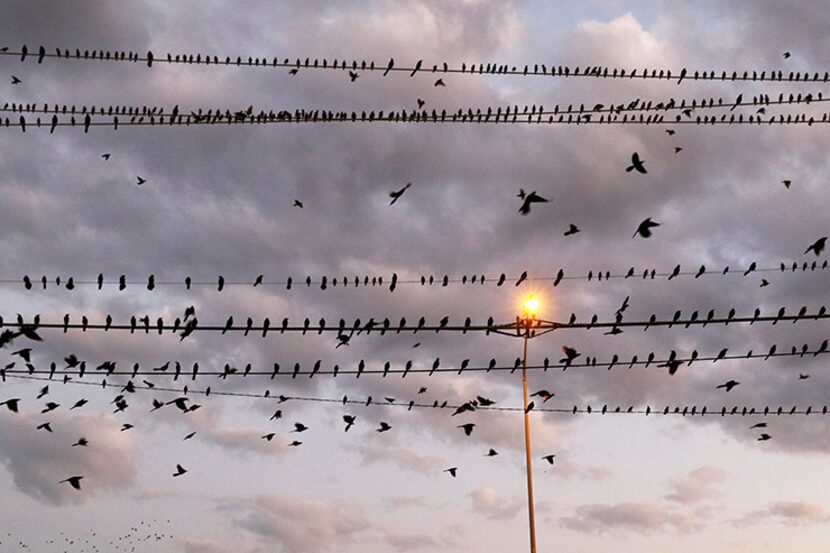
x,y
325,282
684,105
356,68
393,116
344,332
176,369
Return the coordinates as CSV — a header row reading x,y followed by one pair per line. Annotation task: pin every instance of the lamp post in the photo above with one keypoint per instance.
x,y
530,307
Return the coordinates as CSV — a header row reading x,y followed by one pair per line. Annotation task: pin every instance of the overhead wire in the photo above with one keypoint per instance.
x,y
177,370
392,281
605,409
525,70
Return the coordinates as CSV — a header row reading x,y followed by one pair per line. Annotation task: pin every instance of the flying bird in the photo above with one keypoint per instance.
x,y
82,442
383,427
452,470
189,436
421,103
15,80
531,198
764,282
570,355
787,183
544,394
764,438
758,425
786,55
440,82
645,227
728,385
45,426
353,75
74,481
802,376
572,229
491,453
106,156
298,203
636,164
299,427
549,458
349,420
468,428
398,193
817,247
269,437
179,471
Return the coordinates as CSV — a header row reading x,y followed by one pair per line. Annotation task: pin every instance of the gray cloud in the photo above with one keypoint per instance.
x,y
642,518
790,513
698,485
299,525
38,460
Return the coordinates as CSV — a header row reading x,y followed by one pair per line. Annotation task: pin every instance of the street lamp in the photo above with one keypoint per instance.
x,y
531,304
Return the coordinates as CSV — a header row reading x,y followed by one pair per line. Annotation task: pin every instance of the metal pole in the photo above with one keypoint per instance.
x,y
531,516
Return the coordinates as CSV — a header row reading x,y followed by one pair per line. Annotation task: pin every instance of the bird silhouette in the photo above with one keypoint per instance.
x,y
295,443
531,198
269,437
141,181
349,420
74,481
786,55
570,355
299,427
179,471
353,75
572,229
802,376
45,426
787,183
277,415
764,438
189,436
644,229
544,394
468,428
384,427
82,442
440,82
758,425
549,458
728,385
421,103
298,203
452,470
106,156
636,164
398,193
491,453
817,247
15,80
764,283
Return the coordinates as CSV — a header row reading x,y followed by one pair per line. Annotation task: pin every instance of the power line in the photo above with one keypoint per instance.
x,y
318,117
605,409
326,282
555,70
638,105
537,326
109,368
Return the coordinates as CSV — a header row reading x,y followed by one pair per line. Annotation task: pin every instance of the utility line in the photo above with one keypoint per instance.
x,y
562,71
685,410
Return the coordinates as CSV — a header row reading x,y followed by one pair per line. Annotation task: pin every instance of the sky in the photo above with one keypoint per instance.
x,y
220,200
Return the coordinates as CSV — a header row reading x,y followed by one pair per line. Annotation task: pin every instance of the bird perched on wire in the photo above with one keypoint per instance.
x,y
529,199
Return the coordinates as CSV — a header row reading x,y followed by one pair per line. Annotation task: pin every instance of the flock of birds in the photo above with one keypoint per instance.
x,y
145,533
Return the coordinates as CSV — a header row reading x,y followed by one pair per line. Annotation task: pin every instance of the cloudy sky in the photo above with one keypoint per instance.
x,y
219,200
